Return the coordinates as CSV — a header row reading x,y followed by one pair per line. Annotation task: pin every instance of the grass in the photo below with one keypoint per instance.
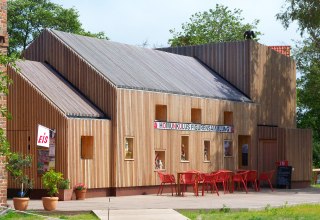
x,y
302,212
37,215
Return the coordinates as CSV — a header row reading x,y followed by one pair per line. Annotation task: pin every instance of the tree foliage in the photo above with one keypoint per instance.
x,y
27,18
216,25
307,55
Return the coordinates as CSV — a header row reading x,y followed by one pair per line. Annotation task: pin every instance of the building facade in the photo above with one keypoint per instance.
x,y
208,107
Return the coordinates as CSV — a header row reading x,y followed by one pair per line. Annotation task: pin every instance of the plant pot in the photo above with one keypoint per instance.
x,y
50,203
21,203
65,194
81,194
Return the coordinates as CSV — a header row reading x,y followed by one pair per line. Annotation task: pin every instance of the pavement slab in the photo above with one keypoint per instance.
x,y
147,205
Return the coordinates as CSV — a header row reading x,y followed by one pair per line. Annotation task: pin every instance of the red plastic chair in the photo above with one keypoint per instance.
x,y
223,177
189,178
266,176
252,178
166,178
240,178
209,179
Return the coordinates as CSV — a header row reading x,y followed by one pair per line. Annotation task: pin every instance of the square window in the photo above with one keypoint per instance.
x,y
196,115
161,113
184,148
160,160
87,147
128,148
228,118
206,151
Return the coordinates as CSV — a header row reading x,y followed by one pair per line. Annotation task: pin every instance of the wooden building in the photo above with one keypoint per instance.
x,y
121,112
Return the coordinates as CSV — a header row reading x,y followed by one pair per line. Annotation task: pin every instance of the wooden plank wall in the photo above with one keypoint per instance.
x,y
36,109
261,73
27,113
93,172
299,153
137,114
48,48
273,86
294,145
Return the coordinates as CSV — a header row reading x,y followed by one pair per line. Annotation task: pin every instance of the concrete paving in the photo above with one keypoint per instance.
x,y
162,207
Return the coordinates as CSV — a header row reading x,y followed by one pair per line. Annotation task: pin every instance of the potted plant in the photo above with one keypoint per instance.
x,y
50,180
16,166
80,190
65,193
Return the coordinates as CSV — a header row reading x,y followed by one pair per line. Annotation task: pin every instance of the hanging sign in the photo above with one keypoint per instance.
x,y
43,136
192,127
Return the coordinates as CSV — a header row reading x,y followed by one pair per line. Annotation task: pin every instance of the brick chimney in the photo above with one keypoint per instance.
x,y
3,100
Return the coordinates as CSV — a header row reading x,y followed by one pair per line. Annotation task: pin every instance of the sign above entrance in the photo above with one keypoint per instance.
x,y
192,127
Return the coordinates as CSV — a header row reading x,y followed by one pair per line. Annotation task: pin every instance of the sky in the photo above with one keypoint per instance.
x,y
137,21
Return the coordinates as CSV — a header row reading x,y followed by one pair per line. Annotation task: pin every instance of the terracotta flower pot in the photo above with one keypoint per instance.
x,y
21,203
50,203
81,194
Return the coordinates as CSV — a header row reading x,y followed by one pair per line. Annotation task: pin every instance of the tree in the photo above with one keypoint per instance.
x,y
216,25
27,18
307,55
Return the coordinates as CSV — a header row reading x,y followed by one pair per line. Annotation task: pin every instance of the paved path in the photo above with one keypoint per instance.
x,y
161,207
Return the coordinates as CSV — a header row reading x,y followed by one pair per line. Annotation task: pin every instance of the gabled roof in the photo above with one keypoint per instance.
x,y
57,90
139,68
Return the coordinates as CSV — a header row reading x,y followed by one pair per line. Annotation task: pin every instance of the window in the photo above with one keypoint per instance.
x,y
184,148
228,118
196,115
87,147
128,148
243,150
227,145
160,160
206,150
161,113
244,155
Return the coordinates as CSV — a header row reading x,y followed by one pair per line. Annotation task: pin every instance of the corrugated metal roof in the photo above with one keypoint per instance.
x,y
146,69
58,90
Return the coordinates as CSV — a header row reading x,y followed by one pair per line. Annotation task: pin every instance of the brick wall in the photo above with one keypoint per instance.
x,y
3,50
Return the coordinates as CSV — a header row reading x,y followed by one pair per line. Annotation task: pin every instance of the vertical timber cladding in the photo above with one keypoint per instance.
x,y
48,48
299,153
294,145
253,68
26,115
273,75
136,115
95,171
